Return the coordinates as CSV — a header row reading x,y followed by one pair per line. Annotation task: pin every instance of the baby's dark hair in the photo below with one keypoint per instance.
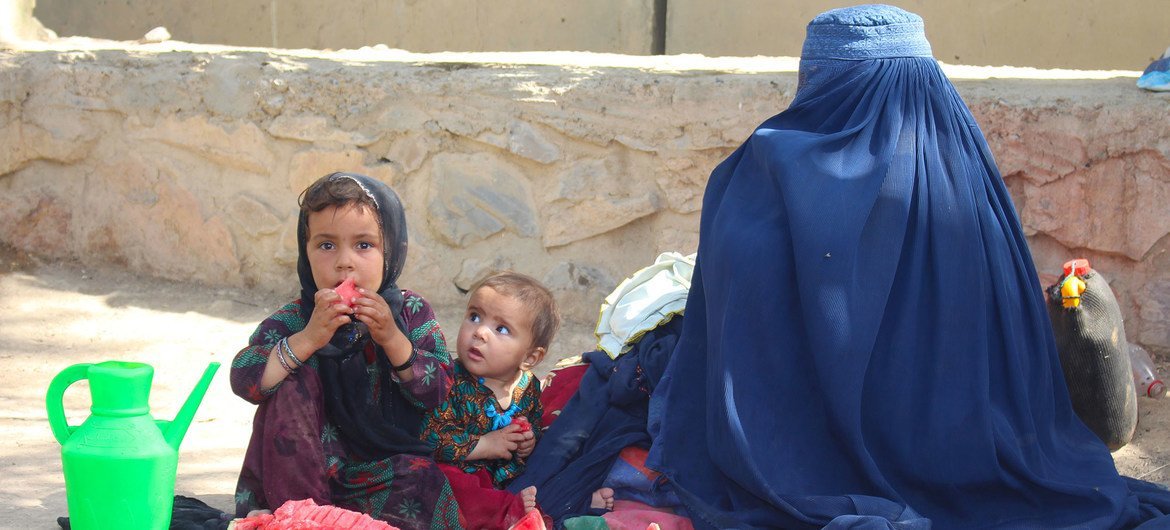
x,y
534,296
334,189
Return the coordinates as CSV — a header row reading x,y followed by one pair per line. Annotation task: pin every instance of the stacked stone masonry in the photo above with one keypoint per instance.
x,y
187,163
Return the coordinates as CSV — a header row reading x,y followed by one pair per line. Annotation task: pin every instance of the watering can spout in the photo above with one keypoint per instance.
x,y
177,428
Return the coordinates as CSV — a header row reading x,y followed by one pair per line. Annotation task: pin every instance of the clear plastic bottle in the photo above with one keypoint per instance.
x,y
1145,374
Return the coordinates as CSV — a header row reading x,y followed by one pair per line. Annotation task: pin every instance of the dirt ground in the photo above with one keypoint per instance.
x,y
58,314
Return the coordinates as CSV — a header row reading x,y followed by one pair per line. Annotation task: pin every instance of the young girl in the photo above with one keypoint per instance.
x,y
476,433
342,383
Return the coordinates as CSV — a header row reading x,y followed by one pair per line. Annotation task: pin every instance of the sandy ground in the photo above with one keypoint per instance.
x,y
59,314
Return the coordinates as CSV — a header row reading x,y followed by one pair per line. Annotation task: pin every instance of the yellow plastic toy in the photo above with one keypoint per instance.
x,y
1073,286
1070,291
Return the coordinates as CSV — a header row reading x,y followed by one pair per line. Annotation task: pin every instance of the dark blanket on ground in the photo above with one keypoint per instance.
x,y
189,514
607,414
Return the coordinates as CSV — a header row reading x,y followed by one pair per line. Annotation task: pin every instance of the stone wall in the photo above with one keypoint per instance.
x,y
185,162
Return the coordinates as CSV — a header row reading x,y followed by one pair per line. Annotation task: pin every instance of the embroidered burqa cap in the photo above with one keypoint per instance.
x,y
865,343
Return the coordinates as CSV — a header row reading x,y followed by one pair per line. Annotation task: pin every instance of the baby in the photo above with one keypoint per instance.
x,y
490,421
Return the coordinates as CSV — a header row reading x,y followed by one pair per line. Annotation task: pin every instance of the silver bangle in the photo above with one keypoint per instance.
x,y
287,348
280,356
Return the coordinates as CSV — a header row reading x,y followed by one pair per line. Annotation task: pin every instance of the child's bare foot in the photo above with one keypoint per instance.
x,y
602,499
254,513
528,495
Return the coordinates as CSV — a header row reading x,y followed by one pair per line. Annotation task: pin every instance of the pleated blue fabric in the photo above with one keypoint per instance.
x,y
866,343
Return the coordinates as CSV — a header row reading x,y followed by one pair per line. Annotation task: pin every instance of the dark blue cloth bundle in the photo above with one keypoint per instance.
x,y
866,343
607,414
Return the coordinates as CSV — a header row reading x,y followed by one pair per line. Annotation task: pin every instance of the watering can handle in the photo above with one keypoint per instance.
x,y
54,400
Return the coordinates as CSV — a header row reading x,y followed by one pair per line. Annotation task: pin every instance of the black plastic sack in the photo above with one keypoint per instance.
x,y
1090,338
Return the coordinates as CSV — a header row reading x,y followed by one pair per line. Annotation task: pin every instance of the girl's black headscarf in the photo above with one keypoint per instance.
x,y
373,429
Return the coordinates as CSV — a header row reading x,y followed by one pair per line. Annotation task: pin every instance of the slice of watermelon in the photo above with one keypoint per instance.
x,y
305,514
348,292
523,423
255,522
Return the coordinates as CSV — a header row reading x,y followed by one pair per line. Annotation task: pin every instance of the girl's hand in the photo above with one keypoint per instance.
x,y
498,444
525,447
328,315
375,313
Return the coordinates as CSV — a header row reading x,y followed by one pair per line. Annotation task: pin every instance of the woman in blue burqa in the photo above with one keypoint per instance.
x,y
866,344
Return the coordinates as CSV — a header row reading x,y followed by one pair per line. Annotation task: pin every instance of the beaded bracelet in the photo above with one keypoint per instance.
x,y
288,351
409,362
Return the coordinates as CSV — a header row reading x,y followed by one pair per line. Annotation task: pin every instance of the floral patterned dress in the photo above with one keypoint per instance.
x,y
296,452
454,427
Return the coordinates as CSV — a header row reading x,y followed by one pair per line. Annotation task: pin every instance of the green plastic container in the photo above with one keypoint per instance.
x,y
120,464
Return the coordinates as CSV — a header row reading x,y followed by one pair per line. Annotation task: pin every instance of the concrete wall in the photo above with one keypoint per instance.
x,y
615,26
1077,34
185,163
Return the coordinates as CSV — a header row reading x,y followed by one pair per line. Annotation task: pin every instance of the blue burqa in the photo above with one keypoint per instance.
x,y
866,343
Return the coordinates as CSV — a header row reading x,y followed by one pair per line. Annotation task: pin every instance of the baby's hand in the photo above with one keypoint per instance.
x,y
500,443
525,447
529,442
328,315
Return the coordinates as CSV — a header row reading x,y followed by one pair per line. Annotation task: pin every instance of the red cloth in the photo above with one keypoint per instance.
x,y
562,387
481,504
633,515
532,521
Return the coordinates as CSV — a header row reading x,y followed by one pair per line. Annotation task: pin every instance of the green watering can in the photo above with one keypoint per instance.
x,y
120,464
